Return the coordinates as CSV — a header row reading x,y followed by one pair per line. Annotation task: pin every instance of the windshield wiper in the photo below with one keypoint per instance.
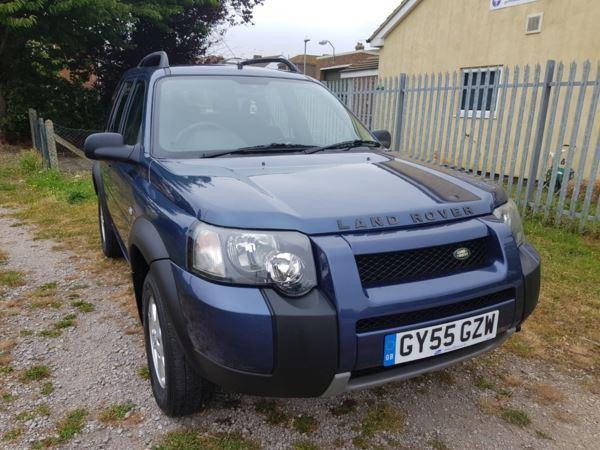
x,y
274,147
346,145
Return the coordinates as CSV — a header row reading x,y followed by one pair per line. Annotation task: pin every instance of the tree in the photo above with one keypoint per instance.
x,y
49,49
184,35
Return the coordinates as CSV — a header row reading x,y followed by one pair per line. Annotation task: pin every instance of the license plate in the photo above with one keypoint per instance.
x,y
425,342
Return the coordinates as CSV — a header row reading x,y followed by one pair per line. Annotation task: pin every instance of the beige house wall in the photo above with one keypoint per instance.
x,y
446,35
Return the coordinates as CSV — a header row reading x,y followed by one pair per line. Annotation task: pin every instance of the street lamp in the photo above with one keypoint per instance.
x,y
306,41
325,42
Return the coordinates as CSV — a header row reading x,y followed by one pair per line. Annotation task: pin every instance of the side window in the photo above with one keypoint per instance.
x,y
133,122
120,107
479,83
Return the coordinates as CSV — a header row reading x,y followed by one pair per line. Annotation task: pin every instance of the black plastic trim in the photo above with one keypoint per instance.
x,y
147,239
532,274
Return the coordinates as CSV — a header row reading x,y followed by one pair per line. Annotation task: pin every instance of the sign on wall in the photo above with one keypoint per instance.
x,y
498,4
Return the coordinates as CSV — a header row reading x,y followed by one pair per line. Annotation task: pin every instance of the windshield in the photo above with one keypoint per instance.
x,y
196,115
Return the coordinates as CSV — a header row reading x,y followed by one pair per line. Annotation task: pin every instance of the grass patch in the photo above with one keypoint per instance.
x,y
35,373
515,417
306,445
7,397
116,413
547,394
483,383
41,410
66,322
541,435
564,327
62,205
497,408
306,424
24,416
12,434
380,417
6,347
194,440
72,424
30,162
83,306
270,409
47,388
25,333
438,444
50,333
11,278
46,302
47,288
346,407
144,373
564,416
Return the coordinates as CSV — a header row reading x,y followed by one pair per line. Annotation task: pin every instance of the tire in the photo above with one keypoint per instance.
x,y
108,238
177,388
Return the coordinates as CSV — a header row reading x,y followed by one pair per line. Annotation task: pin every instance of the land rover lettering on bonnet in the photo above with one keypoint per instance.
x,y
278,248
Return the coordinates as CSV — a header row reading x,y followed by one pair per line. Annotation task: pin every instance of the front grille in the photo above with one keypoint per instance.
x,y
423,263
439,312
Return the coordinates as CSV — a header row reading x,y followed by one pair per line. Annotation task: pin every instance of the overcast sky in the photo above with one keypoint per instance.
x,y
280,27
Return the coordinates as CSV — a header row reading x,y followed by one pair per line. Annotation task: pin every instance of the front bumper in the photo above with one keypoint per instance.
x,y
346,382
249,340
259,342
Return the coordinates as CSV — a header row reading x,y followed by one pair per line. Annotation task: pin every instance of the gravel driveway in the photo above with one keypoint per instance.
x,y
74,324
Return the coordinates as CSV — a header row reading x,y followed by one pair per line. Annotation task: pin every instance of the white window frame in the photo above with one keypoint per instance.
x,y
539,30
469,113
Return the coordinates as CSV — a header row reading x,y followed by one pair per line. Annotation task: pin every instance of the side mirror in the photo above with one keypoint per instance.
x,y
106,147
384,137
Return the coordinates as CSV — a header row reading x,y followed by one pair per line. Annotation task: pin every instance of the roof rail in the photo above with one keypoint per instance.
x,y
249,62
156,59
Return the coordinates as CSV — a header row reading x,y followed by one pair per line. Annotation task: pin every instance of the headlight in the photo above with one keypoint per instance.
x,y
509,214
282,259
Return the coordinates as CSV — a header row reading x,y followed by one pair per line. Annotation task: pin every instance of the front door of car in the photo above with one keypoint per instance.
x,y
110,178
128,177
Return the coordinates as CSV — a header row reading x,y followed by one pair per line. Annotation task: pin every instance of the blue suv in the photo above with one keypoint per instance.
x,y
278,249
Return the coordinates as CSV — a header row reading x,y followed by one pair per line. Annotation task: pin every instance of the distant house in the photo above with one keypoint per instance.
x,y
311,64
432,35
369,68
332,67
355,64
89,84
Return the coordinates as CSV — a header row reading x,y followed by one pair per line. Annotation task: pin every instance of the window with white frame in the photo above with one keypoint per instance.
x,y
478,85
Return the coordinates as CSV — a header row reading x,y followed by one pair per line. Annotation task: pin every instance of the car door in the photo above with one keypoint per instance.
x,y
110,179
129,176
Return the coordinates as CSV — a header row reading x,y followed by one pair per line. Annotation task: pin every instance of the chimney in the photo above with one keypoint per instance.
x,y
359,46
